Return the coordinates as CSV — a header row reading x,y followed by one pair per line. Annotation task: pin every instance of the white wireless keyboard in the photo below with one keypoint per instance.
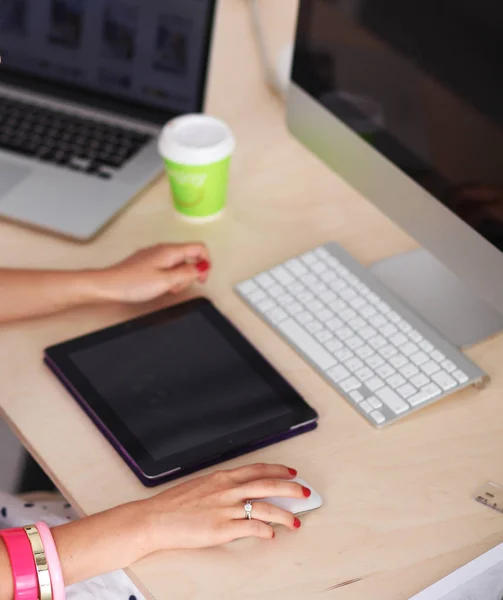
x,y
382,357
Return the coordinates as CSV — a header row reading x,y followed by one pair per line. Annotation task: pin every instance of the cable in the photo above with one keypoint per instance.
x,y
270,72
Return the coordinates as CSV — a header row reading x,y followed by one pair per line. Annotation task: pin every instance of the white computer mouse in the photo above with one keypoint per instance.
x,y
294,505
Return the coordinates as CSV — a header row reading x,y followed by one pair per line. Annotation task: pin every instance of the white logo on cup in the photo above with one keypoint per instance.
x,y
194,179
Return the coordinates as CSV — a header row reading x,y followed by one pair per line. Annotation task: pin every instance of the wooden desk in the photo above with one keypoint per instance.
x,y
398,512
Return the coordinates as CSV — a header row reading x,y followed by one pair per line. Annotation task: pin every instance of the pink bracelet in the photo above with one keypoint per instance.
x,y
24,571
51,553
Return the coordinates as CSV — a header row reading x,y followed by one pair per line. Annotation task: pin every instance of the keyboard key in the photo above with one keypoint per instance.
x,y
377,342
314,327
430,367
388,330
318,267
398,361
282,275
437,355
338,285
308,279
315,306
374,361
395,381
305,297
347,294
357,303
392,400
367,311
348,385
323,336
367,333
420,380
314,350
364,352
426,346
385,371
364,374
294,309
296,288
406,391
404,326
322,252
333,345
418,399
374,384
431,390
374,402
284,299
384,308
324,315
347,315
276,315
366,407
448,366
415,336
338,373
409,371
334,324
344,333
304,317
264,280
328,276
275,291
318,288
378,321
309,258
460,376
337,305
398,339
357,323
354,343
247,287
266,305
378,417
409,349
394,317
296,267
327,297
388,351
444,380
353,364
343,354
356,396
419,358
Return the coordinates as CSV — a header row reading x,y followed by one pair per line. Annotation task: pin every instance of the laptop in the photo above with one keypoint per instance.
x,y
85,87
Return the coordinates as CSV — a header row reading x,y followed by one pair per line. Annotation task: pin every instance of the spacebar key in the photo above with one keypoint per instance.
x,y
307,344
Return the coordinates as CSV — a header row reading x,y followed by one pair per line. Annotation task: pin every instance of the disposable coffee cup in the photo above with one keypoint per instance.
x,y
197,151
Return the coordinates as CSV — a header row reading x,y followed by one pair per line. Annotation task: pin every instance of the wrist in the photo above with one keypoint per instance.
x,y
91,287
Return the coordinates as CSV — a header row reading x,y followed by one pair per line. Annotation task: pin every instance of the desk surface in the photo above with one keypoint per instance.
x,y
398,512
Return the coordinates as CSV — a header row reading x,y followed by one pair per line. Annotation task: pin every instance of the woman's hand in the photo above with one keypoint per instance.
x,y
209,511
153,272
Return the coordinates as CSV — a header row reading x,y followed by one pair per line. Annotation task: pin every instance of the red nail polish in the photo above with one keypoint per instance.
x,y
273,535
292,472
306,491
203,266
297,523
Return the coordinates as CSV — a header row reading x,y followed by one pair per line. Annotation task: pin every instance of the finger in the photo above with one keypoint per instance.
x,y
170,255
261,471
180,278
268,488
263,511
245,528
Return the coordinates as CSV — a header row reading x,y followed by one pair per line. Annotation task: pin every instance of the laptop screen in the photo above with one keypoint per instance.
x,y
148,53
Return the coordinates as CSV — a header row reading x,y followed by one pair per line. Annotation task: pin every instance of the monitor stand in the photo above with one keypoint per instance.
x,y
440,297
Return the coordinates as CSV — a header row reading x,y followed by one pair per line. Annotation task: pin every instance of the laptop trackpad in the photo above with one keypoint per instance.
x,y
10,176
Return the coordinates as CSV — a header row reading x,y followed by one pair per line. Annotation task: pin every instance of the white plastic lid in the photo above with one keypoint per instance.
x,y
196,140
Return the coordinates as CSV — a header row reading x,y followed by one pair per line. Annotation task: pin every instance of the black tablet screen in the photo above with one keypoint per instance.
x,y
179,385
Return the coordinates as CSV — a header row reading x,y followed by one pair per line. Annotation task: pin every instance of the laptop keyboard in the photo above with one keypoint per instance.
x,y
92,147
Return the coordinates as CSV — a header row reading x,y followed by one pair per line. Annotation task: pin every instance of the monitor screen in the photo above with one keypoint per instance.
x,y
422,82
146,52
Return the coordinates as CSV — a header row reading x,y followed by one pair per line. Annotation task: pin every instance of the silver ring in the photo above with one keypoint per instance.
x,y
248,509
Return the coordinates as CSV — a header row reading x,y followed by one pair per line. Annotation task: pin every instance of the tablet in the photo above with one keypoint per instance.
x,y
178,390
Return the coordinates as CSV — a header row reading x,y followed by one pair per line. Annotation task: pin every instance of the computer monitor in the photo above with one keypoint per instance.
x,y
405,101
